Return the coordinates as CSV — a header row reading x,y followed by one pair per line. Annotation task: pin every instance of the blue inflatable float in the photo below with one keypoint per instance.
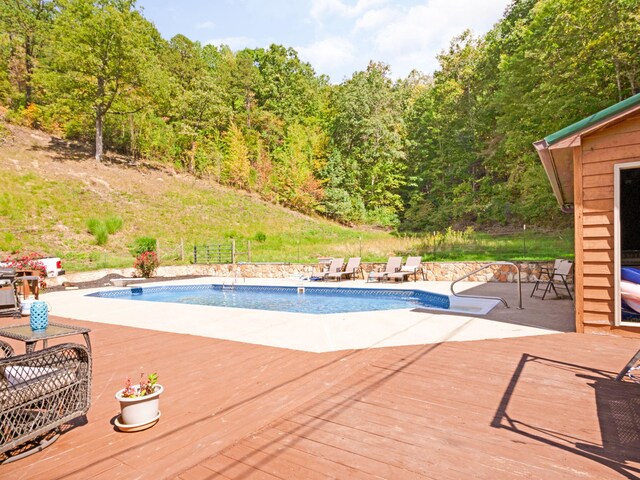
x,y
630,274
630,291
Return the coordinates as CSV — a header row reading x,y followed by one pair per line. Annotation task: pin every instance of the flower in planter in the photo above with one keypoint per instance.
x,y
146,387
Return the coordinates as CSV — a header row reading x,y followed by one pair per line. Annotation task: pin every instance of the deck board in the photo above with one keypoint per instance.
x,y
530,407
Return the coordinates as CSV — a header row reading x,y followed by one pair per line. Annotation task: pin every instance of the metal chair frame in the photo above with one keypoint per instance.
x,y
556,277
9,288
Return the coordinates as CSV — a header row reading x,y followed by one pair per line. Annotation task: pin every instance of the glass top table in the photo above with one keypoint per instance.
x,y
54,330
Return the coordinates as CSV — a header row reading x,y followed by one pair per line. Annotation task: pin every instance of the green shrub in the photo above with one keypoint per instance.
x,y
260,237
99,230
113,224
382,216
143,244
231,234
94,225
101,234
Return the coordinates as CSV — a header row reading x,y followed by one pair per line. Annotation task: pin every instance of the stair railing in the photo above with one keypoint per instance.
x,y
487,296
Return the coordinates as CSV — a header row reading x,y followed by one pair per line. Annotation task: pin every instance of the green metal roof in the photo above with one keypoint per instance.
x,y
593,119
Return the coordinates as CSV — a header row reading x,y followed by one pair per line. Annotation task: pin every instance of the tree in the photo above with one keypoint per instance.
x,y
295,165
568,59
288,86
237,167
443,139
243,85
545,65
102,54
198,98
367,130
341,199
27,21
197,109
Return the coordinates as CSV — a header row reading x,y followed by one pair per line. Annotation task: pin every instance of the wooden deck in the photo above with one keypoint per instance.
x,y
535,407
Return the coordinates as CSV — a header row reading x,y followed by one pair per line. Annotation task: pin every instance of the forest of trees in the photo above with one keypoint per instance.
x,y
420,153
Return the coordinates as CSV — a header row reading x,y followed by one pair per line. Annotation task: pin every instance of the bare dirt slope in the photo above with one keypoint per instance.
x,y
57,159
52,187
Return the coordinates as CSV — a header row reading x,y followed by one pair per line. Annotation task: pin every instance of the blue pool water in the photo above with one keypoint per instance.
x,y
316,300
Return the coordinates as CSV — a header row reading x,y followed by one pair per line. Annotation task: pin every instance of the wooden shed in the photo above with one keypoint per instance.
x,y
594,170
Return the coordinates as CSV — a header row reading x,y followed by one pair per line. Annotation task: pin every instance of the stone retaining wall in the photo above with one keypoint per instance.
x,y
529,271
434,270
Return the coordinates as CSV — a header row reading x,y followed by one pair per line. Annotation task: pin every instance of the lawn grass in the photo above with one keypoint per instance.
x,y
52,216
518,246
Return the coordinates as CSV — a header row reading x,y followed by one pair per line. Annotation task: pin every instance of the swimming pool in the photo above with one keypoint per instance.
x,y
315,300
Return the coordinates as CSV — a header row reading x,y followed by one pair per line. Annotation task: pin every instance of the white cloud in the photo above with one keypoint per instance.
x,y
411,38
208,25
375,18
321,8
406,34
234,43
342,36
329,54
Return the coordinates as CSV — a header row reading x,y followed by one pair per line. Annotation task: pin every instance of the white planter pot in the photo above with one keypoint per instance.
x,y
139,410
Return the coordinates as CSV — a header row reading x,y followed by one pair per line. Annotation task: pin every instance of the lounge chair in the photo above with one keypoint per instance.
x,y
555,278
393,265
334,267
350,271
412,266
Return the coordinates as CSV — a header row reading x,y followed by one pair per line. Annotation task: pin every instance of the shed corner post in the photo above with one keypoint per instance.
x,y
578,216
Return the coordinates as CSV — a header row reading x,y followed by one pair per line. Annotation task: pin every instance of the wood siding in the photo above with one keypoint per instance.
x,y
594,164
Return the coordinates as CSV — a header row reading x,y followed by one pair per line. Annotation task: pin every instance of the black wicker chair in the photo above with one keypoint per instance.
x,y
39,392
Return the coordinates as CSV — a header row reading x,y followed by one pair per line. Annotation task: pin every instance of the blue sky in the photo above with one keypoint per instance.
x,y
338,37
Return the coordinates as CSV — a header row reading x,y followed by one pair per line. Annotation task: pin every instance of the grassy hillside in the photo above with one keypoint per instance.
x,y
51,189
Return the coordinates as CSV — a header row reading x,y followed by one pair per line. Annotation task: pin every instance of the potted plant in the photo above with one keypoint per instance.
x,y
139,403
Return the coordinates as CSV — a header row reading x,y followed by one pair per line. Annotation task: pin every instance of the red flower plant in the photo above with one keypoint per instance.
x,y
146,264
28,261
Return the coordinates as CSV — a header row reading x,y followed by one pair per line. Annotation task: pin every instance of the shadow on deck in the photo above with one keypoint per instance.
x,y
618,413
